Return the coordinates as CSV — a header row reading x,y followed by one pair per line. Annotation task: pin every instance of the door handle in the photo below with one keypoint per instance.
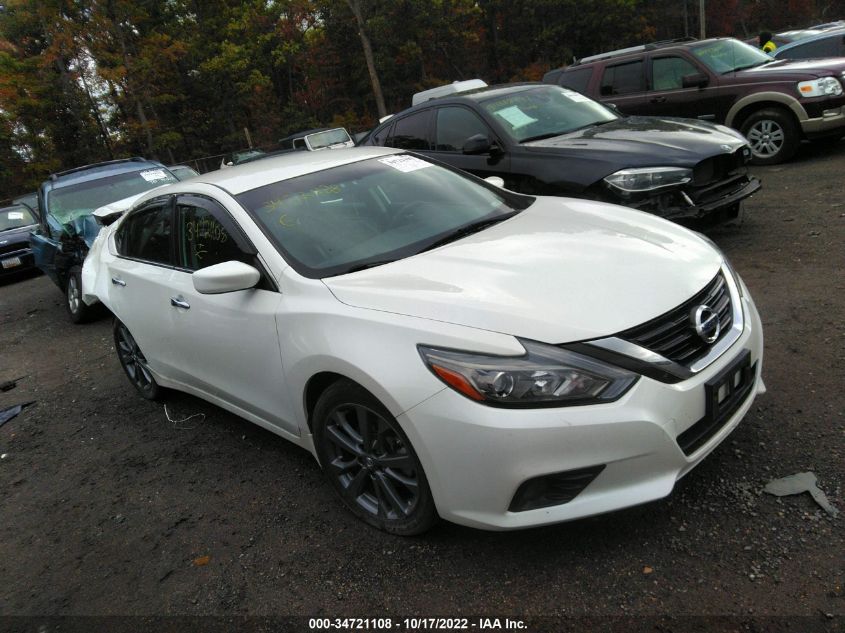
x,y
118,282
179,302
658,100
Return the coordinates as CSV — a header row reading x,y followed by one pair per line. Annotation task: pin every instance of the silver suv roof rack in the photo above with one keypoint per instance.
x,y
635,49
448,89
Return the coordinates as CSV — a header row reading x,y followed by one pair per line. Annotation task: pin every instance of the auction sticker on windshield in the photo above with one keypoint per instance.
x,y
515,116
404,163
154,174
15,215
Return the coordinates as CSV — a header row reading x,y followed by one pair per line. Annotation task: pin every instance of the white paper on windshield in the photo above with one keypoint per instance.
x,y
404,163
15,215
516,117
575,96
154,174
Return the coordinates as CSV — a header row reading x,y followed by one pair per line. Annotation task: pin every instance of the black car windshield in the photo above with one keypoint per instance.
x,y
15,218
545,111
68,203
727,56
373,212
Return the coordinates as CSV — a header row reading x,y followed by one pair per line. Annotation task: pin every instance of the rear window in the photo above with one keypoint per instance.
x,y
15,218
576,79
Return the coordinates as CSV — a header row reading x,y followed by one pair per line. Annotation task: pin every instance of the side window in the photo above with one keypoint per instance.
x,y
668,72
827,47
623,79
203,240
454,126
576,79
381,135
146,235
411,132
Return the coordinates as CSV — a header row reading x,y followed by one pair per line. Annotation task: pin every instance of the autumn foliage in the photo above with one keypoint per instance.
x,y
88,80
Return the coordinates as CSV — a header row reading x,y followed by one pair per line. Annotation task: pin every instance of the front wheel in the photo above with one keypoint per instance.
x,y
773,136
77,309
370,462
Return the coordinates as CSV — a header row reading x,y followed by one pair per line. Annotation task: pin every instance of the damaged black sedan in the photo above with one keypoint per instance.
x,y
542,139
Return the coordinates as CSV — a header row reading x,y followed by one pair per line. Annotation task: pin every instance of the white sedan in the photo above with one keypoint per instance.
x,y
442,346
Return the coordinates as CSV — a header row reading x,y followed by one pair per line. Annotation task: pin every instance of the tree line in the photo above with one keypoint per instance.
x,y
89,80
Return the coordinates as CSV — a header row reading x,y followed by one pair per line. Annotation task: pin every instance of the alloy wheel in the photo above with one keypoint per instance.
x,y
73,297
766,138
371,462
133,360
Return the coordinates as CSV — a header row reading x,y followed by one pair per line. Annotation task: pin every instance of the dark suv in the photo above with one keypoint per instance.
x,y
773,103
67,227
548,140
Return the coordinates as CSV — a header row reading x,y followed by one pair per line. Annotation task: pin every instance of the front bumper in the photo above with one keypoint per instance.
x,y
675,205
476,457
831,121
16,261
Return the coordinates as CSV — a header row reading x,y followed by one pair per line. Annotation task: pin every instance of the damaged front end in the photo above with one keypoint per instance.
x,y
711,191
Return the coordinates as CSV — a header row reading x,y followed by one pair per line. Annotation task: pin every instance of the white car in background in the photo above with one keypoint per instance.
x,y
442,346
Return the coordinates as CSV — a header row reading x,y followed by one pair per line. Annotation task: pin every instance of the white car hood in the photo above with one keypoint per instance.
x,y
561,271
118,207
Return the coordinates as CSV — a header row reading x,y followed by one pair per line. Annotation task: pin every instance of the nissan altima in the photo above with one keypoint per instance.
x,y
444,347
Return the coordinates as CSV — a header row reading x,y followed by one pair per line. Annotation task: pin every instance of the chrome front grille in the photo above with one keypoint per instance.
x,y
673,335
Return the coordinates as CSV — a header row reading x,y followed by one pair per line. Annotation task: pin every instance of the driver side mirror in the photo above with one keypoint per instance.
x,y
477,144
695,80
226,277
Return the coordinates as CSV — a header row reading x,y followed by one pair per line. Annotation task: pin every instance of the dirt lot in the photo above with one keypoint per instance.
x,y
106,504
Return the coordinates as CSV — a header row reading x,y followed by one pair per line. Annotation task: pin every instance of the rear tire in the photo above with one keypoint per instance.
x,y
134,363
773,136
370,462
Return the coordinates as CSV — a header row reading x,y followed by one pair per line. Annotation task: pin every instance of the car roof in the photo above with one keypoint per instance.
x,y
99,170
682,42
240,178
838,32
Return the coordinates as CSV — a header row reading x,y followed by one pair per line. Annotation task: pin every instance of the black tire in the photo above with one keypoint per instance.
x,y
370,462
773,136
134,363
77,309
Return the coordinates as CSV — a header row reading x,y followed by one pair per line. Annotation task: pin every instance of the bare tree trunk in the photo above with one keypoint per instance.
x,y
95,109
355,6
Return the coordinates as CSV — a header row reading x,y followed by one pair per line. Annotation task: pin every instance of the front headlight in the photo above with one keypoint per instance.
x,y
546,376
826,86
648,178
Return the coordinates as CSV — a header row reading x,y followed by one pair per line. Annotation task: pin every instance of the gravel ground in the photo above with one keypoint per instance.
x,y
108,508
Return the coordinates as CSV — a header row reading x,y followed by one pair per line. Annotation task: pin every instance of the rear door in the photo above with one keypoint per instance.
x,y
624,85
141,277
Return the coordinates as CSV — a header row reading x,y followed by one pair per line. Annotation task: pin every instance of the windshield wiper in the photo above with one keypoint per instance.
x,y
366,265
467,229
747,66
540,137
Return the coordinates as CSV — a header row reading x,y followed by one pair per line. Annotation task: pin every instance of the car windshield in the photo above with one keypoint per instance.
x,y
68,203
373,212
328,138
727,56
545,111
15,218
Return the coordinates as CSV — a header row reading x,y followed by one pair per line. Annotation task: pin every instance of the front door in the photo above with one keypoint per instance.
x,y
225,344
